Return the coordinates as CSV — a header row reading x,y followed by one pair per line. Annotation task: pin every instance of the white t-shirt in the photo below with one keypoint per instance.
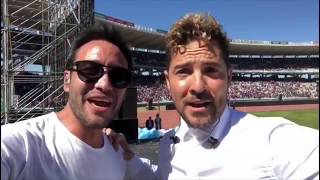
x,y
43,148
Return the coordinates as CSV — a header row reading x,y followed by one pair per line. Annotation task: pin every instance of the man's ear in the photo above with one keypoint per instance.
x,y
66,80
166,74
66,77
230,76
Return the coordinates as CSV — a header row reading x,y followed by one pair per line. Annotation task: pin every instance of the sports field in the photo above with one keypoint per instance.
x,y
303,114
307,117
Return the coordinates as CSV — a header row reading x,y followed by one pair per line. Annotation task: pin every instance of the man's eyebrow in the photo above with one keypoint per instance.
x,y
181,65
212,63
186,64
196,52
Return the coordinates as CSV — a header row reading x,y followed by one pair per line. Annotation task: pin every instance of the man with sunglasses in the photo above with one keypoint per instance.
x,y
70,144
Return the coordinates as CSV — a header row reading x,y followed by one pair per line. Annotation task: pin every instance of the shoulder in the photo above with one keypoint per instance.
x,y
24,130
253,123
20,142
169,133
272,129
277,131
295,150
166,138
294,137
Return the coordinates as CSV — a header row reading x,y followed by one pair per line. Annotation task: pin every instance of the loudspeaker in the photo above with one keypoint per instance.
x,y
129,127
128,109
126,120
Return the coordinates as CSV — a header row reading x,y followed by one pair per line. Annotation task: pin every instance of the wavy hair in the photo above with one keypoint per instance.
x,y
196,27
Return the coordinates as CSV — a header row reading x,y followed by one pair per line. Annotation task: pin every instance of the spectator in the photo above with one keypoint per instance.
x,y
149,123
150,103
157,121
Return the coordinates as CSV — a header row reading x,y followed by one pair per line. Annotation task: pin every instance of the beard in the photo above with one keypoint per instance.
x,y
83,116
200,120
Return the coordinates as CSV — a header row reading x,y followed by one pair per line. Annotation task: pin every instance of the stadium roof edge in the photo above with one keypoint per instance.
x,y
149,38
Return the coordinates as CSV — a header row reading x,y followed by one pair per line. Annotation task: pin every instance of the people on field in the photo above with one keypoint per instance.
x,y
212,140
149,123
150,103
157,121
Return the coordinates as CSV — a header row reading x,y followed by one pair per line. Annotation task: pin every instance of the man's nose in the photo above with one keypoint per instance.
x,y
198,83
104,83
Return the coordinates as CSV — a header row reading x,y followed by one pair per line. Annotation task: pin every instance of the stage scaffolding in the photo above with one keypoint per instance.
x,y
37,33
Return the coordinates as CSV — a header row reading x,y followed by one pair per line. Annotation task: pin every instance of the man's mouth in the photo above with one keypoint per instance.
x,y
99,103
199,104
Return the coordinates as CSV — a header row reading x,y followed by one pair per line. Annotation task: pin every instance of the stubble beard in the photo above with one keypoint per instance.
x,y
213,117
81,115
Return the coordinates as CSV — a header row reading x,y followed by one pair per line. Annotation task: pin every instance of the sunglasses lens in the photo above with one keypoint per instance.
x,y
119,77
89,72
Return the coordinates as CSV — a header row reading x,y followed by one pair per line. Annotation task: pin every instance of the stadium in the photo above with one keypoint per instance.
x,y
38,34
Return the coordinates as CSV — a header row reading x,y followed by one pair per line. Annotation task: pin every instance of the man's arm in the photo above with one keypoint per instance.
x,y
309,169
13,152
5,170
137,168
140,168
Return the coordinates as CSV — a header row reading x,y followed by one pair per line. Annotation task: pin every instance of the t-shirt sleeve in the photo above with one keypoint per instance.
x,y
13,153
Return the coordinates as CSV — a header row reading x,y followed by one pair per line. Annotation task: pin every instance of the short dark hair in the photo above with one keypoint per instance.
x,y
99,32
196,27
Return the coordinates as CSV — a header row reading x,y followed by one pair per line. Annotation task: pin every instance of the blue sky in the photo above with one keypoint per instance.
x,y
271,20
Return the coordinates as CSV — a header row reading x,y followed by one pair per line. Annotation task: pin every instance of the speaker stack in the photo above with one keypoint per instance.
x,y
126,120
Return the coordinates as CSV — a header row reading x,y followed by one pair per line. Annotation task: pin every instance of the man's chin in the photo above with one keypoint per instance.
x,y
197,122
199,125
99,122
98,125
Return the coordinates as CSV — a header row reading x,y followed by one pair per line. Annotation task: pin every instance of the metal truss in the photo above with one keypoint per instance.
x,y
37,33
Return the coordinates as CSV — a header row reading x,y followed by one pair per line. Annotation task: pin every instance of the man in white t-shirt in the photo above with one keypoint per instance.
x,y
70,144
214,141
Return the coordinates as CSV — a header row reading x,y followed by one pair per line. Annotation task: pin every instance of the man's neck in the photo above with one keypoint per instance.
x,y
92,137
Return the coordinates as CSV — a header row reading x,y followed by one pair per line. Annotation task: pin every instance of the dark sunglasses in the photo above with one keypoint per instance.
x,y
91,72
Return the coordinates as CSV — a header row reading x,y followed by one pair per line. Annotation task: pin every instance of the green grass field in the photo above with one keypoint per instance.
x,y
308,118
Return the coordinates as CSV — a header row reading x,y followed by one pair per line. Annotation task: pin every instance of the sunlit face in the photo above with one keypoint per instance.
x,y
198,80
95,104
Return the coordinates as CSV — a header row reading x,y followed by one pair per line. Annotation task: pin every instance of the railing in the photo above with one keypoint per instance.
x,y
42,52
27,113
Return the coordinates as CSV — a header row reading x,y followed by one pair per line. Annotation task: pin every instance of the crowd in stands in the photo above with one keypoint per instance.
x,y
159,60
146,80
148,59
274,63
242,87
158,93
272,89
241,90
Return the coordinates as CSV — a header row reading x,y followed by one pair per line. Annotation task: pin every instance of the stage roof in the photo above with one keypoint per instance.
x,y
148,38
